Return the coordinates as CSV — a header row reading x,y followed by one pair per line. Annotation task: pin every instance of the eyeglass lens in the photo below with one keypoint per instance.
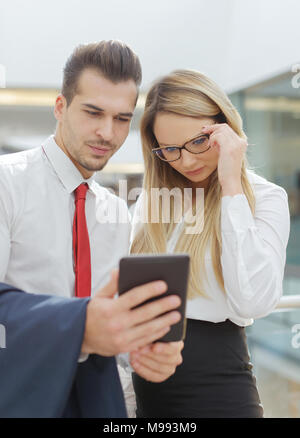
x,y
195,146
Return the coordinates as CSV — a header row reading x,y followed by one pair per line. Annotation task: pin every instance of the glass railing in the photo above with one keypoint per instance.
x,y
274,346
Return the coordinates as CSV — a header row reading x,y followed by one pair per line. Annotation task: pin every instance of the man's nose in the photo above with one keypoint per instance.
x,y
105,129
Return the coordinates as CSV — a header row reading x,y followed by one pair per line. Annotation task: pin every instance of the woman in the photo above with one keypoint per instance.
x,y
192,138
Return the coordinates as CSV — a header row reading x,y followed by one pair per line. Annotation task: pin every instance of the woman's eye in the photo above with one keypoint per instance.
x,y
171,149
199,140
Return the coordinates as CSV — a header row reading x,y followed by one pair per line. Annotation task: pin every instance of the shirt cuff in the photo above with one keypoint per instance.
x,y
236,213
124,362
83,357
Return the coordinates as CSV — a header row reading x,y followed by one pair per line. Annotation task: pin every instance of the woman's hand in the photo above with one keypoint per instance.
x,y
157,362
231,149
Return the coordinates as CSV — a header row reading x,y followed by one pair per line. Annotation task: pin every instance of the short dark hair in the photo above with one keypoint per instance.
x,y
113,59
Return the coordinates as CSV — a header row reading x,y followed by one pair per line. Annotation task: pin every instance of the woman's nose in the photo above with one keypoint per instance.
x,y
189,160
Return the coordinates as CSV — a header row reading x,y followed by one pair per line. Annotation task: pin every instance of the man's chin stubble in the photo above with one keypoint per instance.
x,y
93,168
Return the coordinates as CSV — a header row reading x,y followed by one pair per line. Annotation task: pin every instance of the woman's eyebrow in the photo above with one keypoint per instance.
x,y
166,144
174,144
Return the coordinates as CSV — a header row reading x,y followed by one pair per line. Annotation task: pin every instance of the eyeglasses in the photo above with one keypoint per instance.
x,y
197,145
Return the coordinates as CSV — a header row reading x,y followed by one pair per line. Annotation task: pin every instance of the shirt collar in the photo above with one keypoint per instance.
x,y
65,169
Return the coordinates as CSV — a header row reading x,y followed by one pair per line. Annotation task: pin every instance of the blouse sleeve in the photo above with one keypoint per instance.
x,y
254,250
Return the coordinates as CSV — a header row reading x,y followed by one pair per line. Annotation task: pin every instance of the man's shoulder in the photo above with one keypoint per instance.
x,y
19,162
111,208
108,194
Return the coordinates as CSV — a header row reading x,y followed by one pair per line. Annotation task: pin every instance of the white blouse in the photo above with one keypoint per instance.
x,y
253,256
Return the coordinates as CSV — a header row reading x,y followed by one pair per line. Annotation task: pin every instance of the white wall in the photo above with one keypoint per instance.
x,y
236,42
264,40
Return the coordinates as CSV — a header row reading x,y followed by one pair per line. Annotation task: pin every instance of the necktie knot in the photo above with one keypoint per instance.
x,y
80,192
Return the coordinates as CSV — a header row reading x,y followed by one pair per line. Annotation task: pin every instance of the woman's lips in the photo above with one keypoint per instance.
x,y
99,151
195,172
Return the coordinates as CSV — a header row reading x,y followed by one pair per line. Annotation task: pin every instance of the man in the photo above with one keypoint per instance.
x,y
55,246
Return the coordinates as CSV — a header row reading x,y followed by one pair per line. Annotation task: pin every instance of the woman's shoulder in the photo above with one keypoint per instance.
x,y
256,179
271,199
263,187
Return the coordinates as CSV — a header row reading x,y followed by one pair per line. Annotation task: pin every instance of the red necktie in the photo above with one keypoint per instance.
x,y
81,245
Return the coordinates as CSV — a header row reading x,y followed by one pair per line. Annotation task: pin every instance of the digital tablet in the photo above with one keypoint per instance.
x,y
136,270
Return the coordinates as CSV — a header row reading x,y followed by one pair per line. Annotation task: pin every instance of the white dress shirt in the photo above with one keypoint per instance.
x,y
36,217
253,255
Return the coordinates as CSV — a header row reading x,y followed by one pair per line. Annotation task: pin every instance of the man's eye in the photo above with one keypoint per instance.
x,y
92,113
122,119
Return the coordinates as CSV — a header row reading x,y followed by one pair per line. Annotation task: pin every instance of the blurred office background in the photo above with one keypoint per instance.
x,y
249,47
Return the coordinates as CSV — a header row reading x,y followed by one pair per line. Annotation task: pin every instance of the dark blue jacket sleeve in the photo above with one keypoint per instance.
x,y
39,371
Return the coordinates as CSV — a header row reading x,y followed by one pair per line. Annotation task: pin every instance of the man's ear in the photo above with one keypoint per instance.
x,y
59,107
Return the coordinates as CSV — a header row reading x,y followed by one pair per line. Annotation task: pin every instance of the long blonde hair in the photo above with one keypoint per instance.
x,y
188,93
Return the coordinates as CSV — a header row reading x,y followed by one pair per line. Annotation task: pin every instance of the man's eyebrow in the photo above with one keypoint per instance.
x,y
96,108
89,105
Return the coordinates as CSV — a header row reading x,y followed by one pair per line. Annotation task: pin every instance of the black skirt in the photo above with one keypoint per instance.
x,y
214,380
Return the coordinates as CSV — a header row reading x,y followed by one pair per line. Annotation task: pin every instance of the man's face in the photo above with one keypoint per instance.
x,y
97,121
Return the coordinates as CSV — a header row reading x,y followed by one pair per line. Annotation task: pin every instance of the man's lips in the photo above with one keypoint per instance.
x,y
99,150
196,171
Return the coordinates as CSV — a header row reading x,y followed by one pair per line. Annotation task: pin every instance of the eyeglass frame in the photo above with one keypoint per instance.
x,y
180,148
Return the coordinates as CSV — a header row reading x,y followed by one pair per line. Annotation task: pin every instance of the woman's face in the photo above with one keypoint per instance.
x,y
172,129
